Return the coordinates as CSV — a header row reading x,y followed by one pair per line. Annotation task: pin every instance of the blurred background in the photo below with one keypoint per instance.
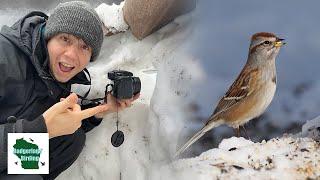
x,y
222,31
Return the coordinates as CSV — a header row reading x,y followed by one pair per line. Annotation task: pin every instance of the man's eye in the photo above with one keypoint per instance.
x,y
65,38
85,47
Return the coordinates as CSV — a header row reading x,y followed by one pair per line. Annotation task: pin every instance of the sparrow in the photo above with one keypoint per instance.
x,y
252,91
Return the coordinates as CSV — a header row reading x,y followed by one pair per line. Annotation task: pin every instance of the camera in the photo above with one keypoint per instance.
x,y
125,85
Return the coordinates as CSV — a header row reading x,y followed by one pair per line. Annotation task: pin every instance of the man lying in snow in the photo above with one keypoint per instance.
x,y
40,58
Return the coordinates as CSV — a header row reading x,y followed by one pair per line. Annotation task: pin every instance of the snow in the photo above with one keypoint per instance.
x,y
288,157
234,142
312,129
279,158
112,17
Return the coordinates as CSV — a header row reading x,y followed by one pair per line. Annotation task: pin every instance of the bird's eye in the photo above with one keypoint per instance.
x,y
267,42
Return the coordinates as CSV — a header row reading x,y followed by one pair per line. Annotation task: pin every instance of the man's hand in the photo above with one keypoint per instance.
x,y
65,117
116,105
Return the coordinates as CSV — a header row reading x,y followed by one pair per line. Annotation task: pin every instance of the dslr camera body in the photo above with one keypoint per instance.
x,y
124,85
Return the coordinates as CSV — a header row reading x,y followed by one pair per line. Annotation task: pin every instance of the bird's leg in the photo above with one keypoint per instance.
x,y
245,132
237,131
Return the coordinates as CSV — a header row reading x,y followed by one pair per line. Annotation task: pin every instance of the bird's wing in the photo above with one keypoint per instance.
x,y
242,87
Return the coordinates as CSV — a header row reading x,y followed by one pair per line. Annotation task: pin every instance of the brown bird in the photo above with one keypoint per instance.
x,y
252,91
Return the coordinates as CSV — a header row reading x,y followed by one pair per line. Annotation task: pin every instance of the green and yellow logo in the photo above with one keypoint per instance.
x,y
28,153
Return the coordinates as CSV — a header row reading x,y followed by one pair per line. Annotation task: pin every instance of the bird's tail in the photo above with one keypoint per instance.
x,y
195,137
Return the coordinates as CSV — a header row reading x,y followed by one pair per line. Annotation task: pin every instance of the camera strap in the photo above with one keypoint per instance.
x,y
84,100
87,72
117,137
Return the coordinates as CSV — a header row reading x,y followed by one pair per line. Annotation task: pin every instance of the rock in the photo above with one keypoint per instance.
x,y
147,16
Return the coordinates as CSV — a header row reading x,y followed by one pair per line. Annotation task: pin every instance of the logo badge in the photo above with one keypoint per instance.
x,y
28,153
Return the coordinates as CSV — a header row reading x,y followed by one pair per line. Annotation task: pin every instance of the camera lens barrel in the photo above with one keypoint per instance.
x,y
136,85
125,86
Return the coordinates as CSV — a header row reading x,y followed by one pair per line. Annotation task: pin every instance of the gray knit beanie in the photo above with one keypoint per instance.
x,y
79,19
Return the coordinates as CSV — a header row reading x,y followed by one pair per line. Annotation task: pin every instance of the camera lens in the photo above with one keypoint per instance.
x,y
136,85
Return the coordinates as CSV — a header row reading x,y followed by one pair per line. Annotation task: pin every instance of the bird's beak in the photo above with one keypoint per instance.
x,y
279,42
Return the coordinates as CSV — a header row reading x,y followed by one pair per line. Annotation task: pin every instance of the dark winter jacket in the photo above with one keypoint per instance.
x,y
26,87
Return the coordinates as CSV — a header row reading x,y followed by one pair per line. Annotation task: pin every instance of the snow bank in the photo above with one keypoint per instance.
x,y
112,18
288,157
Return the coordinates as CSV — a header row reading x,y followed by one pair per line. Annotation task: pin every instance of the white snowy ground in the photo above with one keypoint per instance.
x,y
238,158
288,157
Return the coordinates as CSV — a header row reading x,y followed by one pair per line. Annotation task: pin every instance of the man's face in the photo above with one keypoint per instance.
x,y
68,55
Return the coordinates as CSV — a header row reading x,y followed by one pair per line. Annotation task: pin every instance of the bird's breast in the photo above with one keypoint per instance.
x,y
266,94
